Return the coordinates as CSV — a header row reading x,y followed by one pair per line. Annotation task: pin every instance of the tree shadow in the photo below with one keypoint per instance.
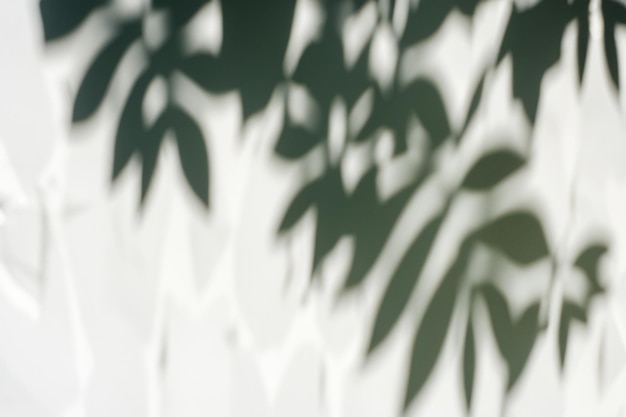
x,y
250,61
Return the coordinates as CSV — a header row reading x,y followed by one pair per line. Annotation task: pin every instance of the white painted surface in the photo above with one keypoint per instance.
x,y
88,324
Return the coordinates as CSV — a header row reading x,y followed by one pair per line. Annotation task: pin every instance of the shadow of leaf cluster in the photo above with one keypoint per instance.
x,y
364,216
255,37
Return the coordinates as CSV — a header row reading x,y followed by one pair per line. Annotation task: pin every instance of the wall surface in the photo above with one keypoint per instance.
x,y
174,310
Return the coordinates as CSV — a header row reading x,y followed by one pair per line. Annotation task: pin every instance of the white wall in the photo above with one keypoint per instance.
x,y
182,312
